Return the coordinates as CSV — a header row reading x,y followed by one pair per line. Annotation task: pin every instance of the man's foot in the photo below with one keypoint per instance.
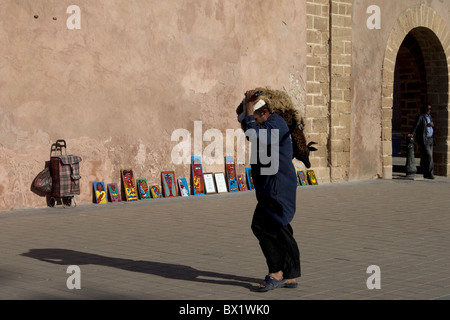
x,y
290,283
271,283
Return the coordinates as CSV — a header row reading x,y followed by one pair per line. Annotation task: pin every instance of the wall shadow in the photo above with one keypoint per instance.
x,y
166,270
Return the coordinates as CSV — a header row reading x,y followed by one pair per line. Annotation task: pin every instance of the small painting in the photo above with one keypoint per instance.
x,y
221,183
144,191
100,192
248,173
302,178
311,177
231,174
129,185
155,191
114,193
183,187
197,176
169,184
241,182
210,186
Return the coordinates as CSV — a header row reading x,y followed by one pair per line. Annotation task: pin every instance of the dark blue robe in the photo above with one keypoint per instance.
x,y
275,191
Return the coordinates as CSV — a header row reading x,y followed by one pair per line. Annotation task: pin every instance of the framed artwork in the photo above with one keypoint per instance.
x,y
129,185
210,186
221,183
231,174
197,176
100,192
183,187
169,184
144,191
241,182
311,177
114,193
302,178
155,191
248,173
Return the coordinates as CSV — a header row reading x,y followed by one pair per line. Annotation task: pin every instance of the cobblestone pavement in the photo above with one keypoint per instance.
x,y
202,248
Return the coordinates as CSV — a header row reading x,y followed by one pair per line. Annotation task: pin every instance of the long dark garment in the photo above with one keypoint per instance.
x,y
426,144
277,244
276,192
426,159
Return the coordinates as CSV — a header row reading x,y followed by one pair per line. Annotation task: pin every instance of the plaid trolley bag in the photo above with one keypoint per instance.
x,y
65,174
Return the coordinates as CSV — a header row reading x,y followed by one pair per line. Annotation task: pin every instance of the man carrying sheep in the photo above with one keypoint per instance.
x,y
275,188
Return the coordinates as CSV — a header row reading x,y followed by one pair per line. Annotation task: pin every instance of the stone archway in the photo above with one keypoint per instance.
x,y
421,31
410,92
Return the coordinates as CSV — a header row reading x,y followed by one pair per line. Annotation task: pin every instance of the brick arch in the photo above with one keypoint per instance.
x,y
430,29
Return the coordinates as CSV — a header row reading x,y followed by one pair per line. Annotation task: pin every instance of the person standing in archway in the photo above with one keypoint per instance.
x,y
423,130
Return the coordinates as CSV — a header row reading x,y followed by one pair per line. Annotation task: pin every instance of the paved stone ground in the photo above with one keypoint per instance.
x,y
201,248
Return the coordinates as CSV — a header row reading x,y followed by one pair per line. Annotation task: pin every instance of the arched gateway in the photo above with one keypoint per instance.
x,y
415,71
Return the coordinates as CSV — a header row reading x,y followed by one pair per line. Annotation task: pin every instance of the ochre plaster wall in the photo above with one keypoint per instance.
x,y
136,71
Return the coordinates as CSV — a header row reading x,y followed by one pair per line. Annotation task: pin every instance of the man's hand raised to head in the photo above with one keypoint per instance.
x,y
251,98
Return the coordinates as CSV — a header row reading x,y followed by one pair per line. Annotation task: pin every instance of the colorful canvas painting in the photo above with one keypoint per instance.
x,y
197,176
248,173
221,183
231,174
155,191
183,187
169,184
100,192
241,182
129,185
210,186
144,191
114,192
302,178
311,177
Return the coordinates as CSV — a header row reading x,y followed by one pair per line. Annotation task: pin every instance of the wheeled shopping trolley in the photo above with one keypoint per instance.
x,y
65,172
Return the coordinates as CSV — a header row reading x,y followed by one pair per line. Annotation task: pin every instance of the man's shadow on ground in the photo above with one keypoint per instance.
x,y
166,270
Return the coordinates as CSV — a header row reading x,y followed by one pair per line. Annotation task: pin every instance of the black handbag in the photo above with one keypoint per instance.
x,y
42,183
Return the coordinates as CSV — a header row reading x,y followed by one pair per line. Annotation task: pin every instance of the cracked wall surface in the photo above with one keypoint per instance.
x,y
118,87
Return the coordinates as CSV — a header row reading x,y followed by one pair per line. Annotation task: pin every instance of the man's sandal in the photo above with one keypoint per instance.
x,y
292,285
271,283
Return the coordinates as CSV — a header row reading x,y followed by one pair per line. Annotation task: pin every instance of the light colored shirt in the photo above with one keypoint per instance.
x,y
429,128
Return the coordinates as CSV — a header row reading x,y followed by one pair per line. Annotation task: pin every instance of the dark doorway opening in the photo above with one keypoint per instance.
x,y
420,77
